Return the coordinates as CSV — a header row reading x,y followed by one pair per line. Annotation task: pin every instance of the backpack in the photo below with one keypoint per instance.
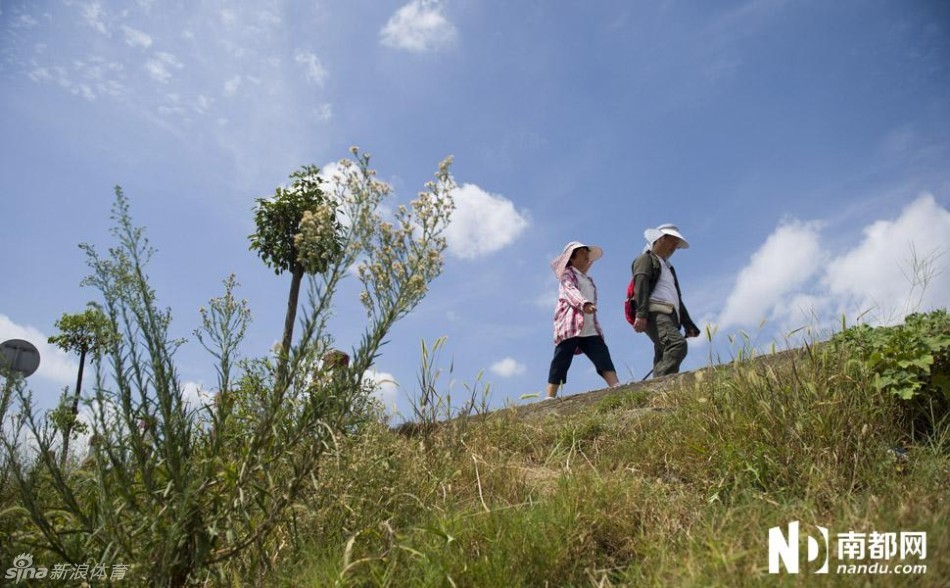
x,y
630,304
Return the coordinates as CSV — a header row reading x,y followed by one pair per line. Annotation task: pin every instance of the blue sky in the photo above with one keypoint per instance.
x,y
801,146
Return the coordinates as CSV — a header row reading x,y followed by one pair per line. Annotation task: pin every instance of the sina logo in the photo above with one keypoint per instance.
x,y
23,569
784,549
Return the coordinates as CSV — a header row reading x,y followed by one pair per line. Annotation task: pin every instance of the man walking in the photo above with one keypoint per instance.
x,y
660,309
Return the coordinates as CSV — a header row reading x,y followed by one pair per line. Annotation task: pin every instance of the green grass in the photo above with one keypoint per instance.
x,y
619,496
668,485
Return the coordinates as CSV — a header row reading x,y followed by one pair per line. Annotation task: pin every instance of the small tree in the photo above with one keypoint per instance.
x,y
278,219
88,332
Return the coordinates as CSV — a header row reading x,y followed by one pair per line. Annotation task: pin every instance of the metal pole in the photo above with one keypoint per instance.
x,y
8,388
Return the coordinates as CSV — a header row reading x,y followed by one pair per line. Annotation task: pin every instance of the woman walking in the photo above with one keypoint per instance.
x,y
576,329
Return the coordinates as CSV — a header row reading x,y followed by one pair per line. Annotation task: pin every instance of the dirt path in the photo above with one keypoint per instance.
x,y
583,401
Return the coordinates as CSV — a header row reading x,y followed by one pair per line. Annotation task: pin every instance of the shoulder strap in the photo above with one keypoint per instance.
x,y
657,270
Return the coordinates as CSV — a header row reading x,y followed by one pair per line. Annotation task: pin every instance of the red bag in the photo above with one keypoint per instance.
x,y
630,305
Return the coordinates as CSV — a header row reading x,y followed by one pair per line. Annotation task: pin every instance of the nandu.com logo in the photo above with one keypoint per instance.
x,y
784,549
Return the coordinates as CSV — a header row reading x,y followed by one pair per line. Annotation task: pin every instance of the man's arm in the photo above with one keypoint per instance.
x,y
642,270
643,283
691,329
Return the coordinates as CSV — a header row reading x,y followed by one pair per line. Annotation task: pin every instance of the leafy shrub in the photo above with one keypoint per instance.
x,y
910,361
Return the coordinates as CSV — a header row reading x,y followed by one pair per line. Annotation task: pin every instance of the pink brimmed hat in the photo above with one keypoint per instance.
x,y
560,262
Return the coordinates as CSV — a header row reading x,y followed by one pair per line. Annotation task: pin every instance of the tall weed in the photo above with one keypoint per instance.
x,y
185,494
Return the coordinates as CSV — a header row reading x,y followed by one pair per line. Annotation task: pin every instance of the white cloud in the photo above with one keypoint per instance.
x,y
98,70
508,367
158,67
790,279
42,75
790,256
387,388
136,38
878,274
802,310
482,223
94,16
56,366
316,73
333,172
418,26
334,175
194,395
158,71
87,78
85,91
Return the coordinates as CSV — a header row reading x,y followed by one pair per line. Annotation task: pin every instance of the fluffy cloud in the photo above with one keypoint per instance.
x,y
879,275
508,367
790,256
482,223
387,388
897,268
418,26
195,395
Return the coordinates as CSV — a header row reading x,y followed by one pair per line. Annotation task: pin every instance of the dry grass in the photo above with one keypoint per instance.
x,y
670,483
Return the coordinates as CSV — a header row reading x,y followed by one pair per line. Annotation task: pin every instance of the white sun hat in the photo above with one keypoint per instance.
x,y
560,262
651,235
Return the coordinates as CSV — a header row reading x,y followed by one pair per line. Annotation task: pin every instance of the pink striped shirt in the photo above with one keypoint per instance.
x,y
569,313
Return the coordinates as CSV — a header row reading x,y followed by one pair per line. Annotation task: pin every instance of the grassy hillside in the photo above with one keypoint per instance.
x,y
673,482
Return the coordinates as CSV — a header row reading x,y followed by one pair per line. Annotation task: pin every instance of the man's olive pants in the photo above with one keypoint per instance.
x,y
669,345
